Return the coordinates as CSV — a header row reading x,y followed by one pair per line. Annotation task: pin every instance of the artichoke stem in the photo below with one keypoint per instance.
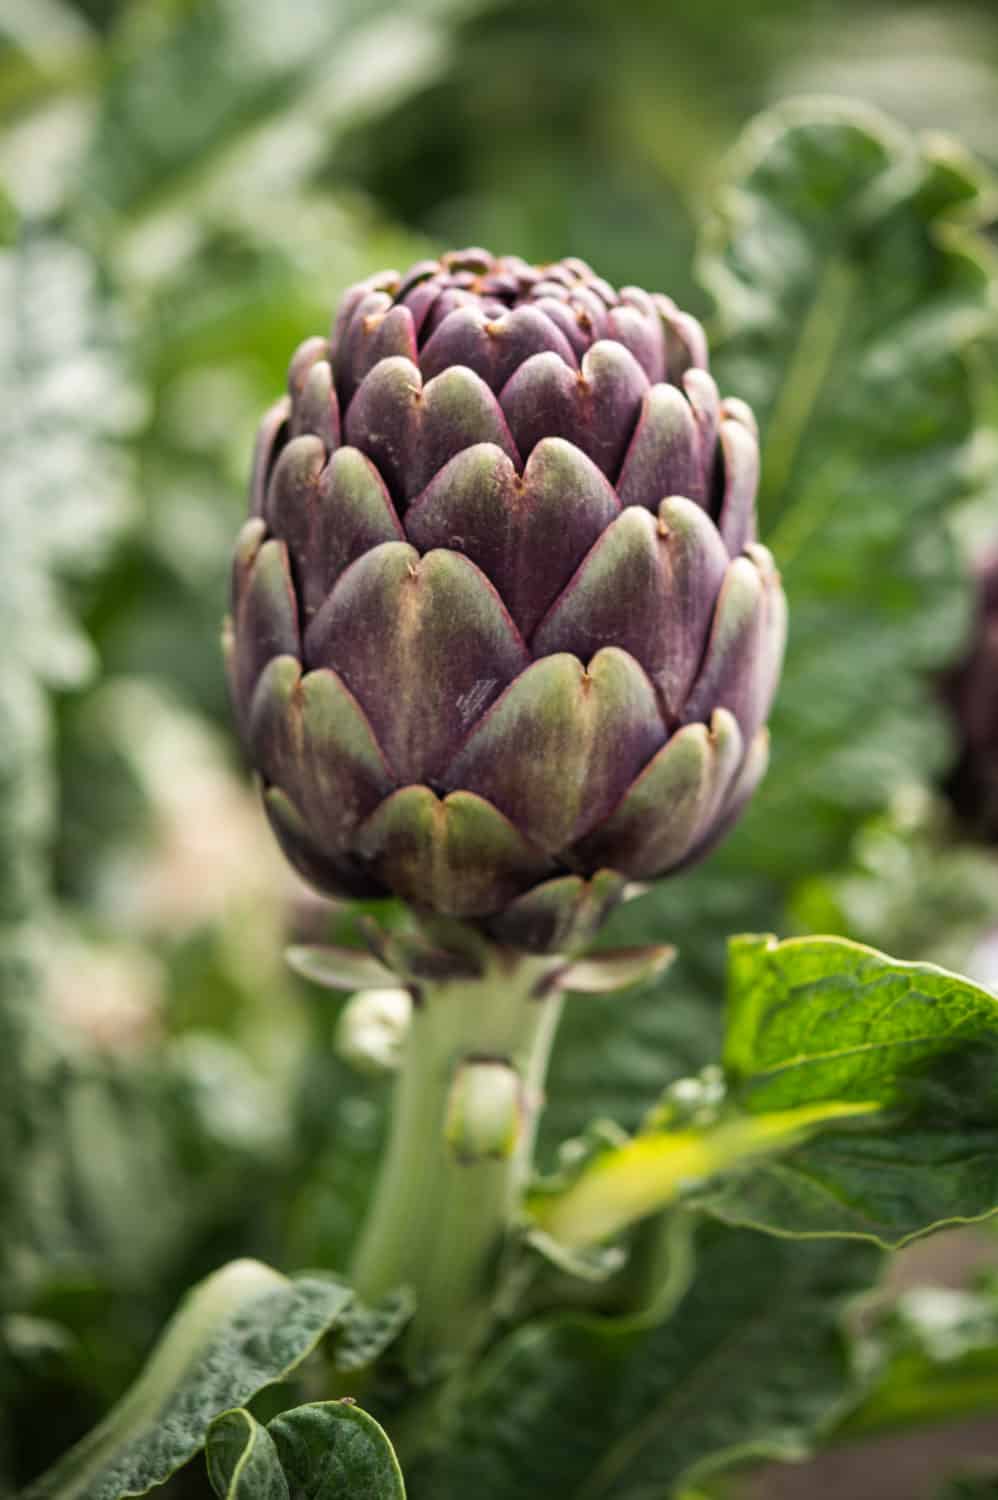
x,y
440,1214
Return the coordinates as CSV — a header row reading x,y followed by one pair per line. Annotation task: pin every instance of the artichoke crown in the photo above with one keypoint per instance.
x,y
502,638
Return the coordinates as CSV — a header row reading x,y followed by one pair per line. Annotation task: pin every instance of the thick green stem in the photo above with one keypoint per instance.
x,y
439,1214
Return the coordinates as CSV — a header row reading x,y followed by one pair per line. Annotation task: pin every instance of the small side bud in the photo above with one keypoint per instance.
x,y
373,1028
484,1111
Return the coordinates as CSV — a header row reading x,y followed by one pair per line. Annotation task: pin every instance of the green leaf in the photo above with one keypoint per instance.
x,y
366,1332
243,1328
938,1354
242,1460
333,1449
328,1450
751,1363
819,1020
848,302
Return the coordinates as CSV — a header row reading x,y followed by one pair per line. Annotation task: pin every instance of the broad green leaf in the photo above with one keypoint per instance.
x,y
751,1363
938,1352
815,1020
242,1460
236,1332
848,302
333,1449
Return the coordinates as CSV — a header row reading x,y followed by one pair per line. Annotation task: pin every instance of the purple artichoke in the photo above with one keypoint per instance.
x,y
502,638
972,691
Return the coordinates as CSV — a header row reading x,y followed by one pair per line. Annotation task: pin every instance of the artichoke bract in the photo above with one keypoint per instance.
x,y
502,638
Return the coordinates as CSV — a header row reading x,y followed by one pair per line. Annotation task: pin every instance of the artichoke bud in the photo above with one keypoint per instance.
x,y
485,1110
503,641
372,1029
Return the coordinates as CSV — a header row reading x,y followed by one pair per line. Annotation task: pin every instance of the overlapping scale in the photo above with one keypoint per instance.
x,y
424,644
595,407
560,747
409,431
649,587
514,527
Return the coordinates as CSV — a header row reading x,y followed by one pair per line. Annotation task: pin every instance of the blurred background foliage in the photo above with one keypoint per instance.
x,y
185,188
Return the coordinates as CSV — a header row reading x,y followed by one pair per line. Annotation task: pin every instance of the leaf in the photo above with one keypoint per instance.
x,y
815,1020
938,1353
751,1363
366,1332
649,1173
241,1329
333,1449
328,1450
848,302
242,1460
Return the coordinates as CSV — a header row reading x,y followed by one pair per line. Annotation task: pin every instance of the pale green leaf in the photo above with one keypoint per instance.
x,y
628,1182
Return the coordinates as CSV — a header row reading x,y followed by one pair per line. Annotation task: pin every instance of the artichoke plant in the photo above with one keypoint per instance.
x,y
502,637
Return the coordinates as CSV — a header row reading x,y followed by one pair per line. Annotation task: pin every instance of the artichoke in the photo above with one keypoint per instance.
x,y
502,639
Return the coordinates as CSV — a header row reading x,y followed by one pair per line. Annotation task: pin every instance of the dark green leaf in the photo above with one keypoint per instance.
x,y
240,1330
752,1362
328,1450
332,1449
814,1020
848,304
367,1332
242,1460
